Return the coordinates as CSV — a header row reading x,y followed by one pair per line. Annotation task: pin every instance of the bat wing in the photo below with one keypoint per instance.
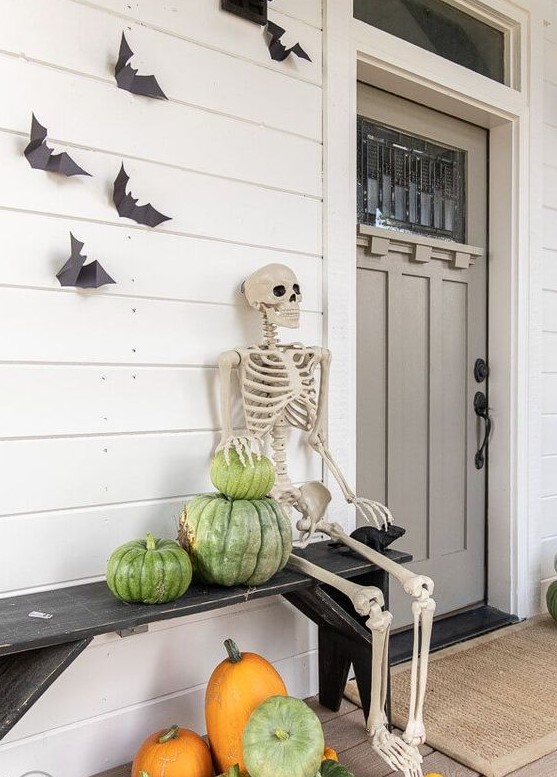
x,y
278,50
41,157
146,214
69,273
65,165
92,276
127,78
126,204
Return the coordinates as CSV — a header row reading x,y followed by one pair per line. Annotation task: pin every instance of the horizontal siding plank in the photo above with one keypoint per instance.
x,y
85,40
82,327
548,518
549,300
550,145
84,539
549,394
548,557
51,474
65,400
155,130
122,732
549,229
549,269
550,104
549,352
550,62
550,186
199,205
276,630
206,24
549,435
305,10
143,263
549,476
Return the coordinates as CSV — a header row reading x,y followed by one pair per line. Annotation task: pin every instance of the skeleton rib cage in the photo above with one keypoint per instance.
x,y
278,384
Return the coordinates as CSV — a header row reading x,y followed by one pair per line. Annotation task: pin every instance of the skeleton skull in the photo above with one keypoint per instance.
x,y
274,290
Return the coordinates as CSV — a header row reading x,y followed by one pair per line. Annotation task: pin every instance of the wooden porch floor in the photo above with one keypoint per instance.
x,y
344,731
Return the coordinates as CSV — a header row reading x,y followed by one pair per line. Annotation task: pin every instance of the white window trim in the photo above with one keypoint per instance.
x,y
355,50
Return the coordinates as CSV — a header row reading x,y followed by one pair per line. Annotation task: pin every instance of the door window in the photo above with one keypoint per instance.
x,y
408,183
439,27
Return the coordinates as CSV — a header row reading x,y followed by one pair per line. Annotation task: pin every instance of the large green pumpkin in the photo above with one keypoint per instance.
x,y
150,571
551,599
283,738
251,479
234,542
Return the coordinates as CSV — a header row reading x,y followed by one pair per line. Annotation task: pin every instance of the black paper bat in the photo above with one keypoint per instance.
x,y
41,157
126,207
277,50
76,273
127,78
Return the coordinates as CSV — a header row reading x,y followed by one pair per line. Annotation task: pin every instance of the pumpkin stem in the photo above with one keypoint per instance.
x,y
232,649
282,734
172,733
150,541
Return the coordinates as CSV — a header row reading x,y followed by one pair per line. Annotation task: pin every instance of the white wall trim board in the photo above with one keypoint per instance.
x,y
514,120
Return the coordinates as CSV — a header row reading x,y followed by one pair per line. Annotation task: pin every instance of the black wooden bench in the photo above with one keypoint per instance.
x,y
34,651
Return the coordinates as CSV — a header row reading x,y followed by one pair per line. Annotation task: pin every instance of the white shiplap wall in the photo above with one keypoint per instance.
x,y
108,411
549,423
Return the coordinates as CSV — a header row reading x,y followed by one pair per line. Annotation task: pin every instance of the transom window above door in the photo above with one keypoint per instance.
x,y
408,183
442,28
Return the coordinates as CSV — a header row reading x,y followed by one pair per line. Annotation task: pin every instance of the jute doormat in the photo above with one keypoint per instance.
x,y
491,702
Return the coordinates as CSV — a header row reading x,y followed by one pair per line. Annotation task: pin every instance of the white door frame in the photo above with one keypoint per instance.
x,y
354,50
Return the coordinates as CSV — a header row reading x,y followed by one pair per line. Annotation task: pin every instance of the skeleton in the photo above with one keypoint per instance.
x,y
284,385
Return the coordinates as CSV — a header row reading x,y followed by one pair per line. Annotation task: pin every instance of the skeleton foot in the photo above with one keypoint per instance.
x,y
373,512
396,753
246,446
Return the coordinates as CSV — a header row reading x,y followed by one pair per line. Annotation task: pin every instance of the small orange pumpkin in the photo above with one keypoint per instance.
x,y
173,753
237,686
329,754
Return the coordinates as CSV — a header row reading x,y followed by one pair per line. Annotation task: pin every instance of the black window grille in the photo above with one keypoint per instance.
x,y
409,183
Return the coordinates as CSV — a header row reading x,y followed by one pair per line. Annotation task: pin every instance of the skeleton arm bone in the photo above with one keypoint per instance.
x,y
244,444
370,510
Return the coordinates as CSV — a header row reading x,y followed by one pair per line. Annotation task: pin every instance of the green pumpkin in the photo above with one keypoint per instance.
x,y
248,480
551,599
150,571
333,769
283,738
233,542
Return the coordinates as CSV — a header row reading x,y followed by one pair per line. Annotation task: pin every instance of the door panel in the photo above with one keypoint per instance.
x,y
421,326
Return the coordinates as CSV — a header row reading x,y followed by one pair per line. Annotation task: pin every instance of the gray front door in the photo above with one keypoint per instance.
x,y
422,301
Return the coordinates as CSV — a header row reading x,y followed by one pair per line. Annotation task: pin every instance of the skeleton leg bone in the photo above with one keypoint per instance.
x,y
394,751
423,622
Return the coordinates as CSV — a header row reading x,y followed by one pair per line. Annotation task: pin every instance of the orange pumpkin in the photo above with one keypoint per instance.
x,y
329,754
173,753
237,686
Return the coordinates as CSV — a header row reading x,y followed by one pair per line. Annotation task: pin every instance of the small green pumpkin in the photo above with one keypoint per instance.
x,y
283,738
235,542
251,479
551,599
150,571
331,768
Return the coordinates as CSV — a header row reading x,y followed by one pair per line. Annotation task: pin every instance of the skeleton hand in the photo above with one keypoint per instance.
x,y
373,512
246,446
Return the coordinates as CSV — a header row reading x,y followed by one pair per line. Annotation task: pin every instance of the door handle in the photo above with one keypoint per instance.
x,y
482,411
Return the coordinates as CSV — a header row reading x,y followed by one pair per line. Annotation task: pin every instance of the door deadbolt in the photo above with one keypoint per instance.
x,y
481,370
